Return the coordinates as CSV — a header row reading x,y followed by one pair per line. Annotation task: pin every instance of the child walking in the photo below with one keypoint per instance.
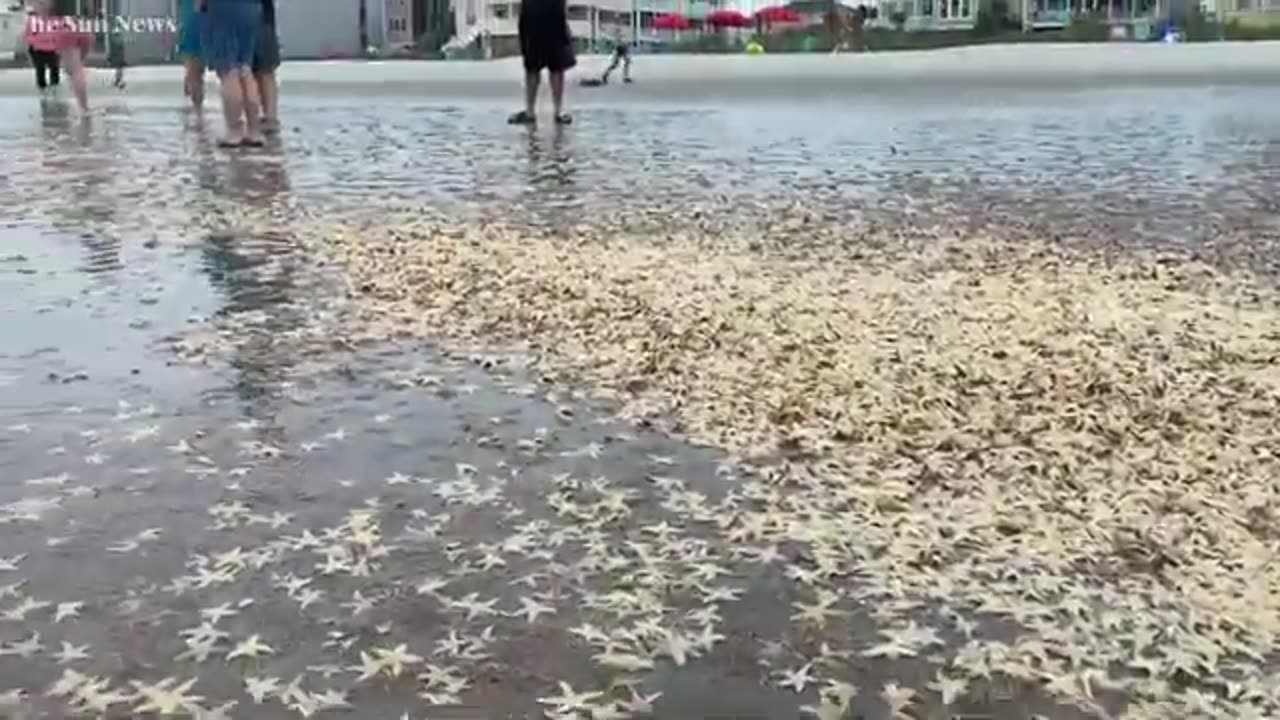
x,y
42,45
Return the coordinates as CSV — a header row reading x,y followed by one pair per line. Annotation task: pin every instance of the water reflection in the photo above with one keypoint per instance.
x,y
256,274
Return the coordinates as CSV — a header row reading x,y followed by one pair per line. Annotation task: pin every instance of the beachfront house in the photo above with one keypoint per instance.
x,y
488,27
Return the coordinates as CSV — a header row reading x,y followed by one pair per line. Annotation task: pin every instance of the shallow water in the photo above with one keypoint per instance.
x,y
121,234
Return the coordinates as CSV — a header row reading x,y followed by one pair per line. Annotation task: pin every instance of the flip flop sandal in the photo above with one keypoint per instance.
x,y
254,142
521,118
564,119
231,144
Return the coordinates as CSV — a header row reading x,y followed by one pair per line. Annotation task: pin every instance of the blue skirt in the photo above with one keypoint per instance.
x,y
229,33
189,30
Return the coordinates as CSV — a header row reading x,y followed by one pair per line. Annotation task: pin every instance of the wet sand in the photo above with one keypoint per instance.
x,y
191,418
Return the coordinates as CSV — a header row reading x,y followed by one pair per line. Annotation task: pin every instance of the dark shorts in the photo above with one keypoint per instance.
x,y
545,43
266,56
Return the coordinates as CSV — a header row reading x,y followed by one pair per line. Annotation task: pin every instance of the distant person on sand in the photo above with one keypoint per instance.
x,y
621,56
545,44
266,59
42,45
189,49
228,39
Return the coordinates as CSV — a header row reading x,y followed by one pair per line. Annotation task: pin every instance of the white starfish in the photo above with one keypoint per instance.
x,y
19,612
10,564
96,458
797,679
67,610
251,648
214,614
259,688
531,609
12,698
359,603
474,607
50,480
395,659
24,649
569,701
71,653
95,696
67,684
166,697
897,698
142,434
337,435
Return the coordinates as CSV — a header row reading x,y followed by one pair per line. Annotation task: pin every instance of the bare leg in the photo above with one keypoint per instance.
x,y
626,68
252,105
270,92
193,82
612,66
531,82
74,63
557,92
232,105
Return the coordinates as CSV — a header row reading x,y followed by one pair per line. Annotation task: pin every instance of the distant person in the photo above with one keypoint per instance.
x,y
115,58
228,39
545,44
189,50
42,45
621,56
266,59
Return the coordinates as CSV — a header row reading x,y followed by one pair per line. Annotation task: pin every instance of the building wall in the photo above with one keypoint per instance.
x,y
324,28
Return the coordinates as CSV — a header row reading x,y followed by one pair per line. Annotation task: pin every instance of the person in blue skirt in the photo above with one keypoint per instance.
x,y
228,38
189,51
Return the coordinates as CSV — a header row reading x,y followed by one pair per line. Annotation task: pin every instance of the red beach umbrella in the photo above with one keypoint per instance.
x,y
672,21
728,18
778,14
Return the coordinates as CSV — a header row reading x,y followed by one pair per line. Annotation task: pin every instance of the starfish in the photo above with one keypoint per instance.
x,y
24,608
24,649
368,668
359,603
71,653
308,596
531,609
474,607
67,684
641,704
96,696
166,697
259,688
569,701
50,480
337,435
140,434
67,610
11,590
96,458
796,679
395,659
12,698
431,585
10,564
251,648
214,614
948,687
897,698
623,661
331,699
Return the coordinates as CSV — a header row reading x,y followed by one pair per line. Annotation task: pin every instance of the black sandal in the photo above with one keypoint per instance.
x,y
254,142
521,118
564,119
230,144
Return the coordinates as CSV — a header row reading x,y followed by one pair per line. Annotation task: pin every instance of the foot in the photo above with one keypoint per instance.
x,y
524,117
270,126
231,142
256,141
563,118
626,80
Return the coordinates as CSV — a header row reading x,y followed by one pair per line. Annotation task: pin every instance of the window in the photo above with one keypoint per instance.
x,y
926,8
1244,5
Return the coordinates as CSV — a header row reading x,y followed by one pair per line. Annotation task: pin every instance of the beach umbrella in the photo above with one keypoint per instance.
x,y
727,19
777,14
672,21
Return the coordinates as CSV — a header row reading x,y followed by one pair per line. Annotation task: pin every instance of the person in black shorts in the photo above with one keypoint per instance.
x,y
621,56
266,59
545,43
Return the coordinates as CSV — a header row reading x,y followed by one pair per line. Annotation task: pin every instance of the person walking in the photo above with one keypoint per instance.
x,y
189,51
72,45
42,45
621,56
228,39
545,44
266,59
